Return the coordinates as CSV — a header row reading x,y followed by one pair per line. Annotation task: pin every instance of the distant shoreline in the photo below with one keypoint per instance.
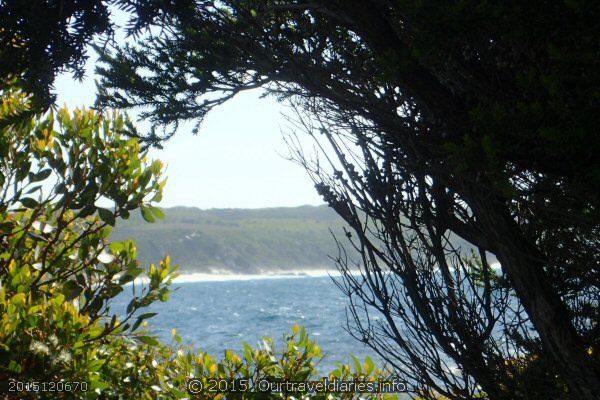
x,y
219,275
223,275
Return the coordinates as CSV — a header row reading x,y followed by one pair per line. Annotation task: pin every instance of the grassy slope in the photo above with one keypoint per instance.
x,y
237,239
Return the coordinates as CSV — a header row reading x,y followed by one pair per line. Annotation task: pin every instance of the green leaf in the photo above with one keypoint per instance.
x,y
158,213
18,298
177,338
89,194
114,290
132,305
164,296
142,317
71,290
125,278
29,202
357,364
14,367
95,365
34,189
157,197
179,393
149,340
106,216
99,385
116,247
369,365
40,176
247,352
147,214
22,171
87,211
59,299
6,227
130,275
95,305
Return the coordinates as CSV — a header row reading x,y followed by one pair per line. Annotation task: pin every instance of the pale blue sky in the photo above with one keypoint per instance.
x,y
235,161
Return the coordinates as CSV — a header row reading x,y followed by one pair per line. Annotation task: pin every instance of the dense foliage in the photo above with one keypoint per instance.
x,y
57,269
34,50
40,39
471,118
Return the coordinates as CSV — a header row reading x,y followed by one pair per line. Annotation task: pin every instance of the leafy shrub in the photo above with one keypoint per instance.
x,y
57,269
58,272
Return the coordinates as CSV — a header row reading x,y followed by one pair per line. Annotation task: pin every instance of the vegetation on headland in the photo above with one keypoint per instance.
x,y
237,240
59,272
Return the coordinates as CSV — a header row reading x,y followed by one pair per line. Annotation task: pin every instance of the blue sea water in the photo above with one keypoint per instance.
x,y
214,316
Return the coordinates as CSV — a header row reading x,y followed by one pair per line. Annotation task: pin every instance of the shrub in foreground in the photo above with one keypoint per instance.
x,y
59,271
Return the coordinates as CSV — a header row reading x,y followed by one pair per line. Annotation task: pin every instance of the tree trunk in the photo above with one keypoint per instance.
x,y
548,313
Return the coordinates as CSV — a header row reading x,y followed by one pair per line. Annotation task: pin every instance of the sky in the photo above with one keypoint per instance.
x,y
235,161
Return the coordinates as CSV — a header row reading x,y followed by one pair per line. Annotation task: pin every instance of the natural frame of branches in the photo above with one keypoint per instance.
x,y
463,119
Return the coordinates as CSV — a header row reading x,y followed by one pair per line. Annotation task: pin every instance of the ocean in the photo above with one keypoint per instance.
x,y
215,313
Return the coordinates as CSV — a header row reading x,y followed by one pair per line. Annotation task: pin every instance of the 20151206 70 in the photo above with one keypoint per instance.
x,y
46,386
